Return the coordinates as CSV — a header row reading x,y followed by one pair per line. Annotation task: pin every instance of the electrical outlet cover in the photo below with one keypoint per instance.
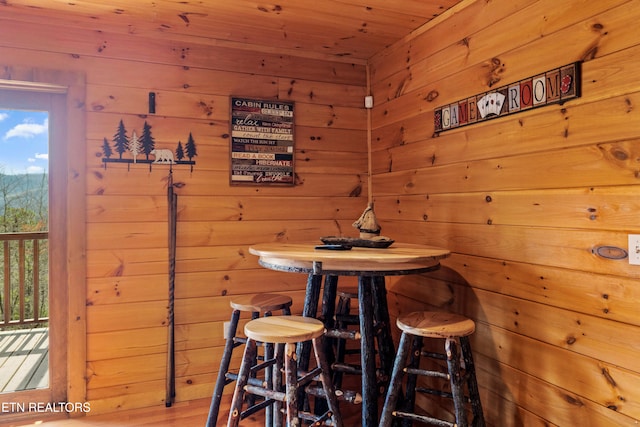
x,y
634,249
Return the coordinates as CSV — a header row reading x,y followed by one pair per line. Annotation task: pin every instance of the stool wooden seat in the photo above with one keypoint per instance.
x,y
285,332
258,304
435,324
284,329
261,303
455,330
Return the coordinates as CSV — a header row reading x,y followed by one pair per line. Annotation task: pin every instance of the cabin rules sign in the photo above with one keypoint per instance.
x,y
552,87
262,141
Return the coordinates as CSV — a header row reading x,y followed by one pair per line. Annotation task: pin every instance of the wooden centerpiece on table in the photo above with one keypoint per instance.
x,y
369,230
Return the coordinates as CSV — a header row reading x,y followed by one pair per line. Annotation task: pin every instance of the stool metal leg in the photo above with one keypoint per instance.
x,y
214,409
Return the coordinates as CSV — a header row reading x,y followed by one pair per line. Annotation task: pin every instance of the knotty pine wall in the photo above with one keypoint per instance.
x,y
522,201
127,279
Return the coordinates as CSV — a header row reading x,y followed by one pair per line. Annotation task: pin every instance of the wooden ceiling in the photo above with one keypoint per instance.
x,y
345,30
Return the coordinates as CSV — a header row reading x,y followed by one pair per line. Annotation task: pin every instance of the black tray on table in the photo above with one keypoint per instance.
x,y
378,242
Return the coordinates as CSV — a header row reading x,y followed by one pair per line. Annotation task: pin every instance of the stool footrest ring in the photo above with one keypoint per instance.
x,y
427,373
309,376
252,381
435,392
265,392
423,419
317,419
255,408
344,334
347,368
439,356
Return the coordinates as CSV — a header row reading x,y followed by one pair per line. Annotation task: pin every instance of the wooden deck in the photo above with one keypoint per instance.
x,y
24,359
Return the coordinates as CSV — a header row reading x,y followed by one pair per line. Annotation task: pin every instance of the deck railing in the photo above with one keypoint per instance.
x,y
24,279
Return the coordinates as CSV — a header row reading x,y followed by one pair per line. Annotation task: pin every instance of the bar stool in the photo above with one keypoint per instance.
x,y
286,332
453,329
255,304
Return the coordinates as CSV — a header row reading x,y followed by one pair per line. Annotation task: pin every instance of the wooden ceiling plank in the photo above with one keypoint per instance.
x,y
426,9
242,35
315,46
339,29
316,19
325,18
84,45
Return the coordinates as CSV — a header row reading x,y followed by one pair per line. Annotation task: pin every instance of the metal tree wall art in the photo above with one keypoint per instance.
x,y
138,149
144,145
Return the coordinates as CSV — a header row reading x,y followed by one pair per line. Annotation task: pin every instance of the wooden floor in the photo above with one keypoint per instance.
x,y
185,414
24,359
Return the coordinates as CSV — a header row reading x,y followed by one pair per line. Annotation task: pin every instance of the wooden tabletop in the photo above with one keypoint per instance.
x,y
399,257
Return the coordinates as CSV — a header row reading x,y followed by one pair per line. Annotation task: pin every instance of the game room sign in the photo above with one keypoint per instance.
x,y
553,87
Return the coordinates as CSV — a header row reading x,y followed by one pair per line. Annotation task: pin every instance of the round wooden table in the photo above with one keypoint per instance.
x,y
370,265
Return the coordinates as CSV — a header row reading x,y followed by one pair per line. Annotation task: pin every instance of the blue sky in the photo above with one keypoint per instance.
x,y
24,141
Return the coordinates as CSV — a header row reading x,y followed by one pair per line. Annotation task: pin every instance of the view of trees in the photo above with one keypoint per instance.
x,y
23,209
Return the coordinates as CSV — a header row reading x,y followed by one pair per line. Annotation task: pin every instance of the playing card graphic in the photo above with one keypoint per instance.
x,y
497,102
482,106
490,104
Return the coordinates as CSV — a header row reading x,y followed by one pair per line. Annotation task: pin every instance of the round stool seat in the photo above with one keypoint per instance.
x,y
260,302
284,329
435,324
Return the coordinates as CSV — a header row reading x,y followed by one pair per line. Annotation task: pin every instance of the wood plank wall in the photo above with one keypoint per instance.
x,y
127,265
522,201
